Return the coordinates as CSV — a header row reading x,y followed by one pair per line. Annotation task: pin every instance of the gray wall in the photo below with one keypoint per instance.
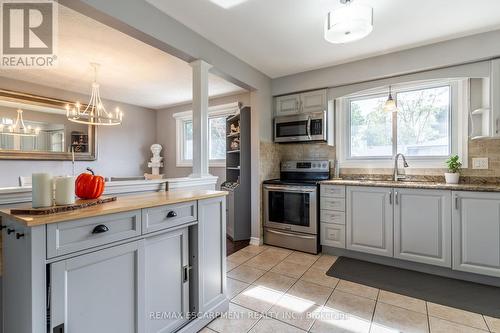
x,y
146,23
166,136
122,150
448,53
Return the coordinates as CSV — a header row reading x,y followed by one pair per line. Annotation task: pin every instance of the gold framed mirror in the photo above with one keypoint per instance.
x,y
36,128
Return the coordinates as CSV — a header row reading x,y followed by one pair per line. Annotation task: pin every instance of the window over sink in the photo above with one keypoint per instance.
x,y
429,125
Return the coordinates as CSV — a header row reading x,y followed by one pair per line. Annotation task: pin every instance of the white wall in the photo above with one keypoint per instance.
x,y
167,136
122,150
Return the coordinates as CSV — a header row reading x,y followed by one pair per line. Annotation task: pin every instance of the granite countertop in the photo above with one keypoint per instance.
x,y
415,184
122,204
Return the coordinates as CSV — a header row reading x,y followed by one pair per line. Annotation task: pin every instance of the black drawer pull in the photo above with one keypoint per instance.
x,y
9,231
18,235
3,227
99,229
171,214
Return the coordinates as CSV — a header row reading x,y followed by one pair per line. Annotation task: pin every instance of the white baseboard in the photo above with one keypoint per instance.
x,y
256,241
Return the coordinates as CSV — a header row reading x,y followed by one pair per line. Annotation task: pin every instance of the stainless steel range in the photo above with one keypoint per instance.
x,y
291,205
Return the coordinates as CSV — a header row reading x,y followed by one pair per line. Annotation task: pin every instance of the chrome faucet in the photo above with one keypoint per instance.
x,y
397,176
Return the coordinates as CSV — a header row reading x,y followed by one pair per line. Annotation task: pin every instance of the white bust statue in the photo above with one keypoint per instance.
x,y
156,161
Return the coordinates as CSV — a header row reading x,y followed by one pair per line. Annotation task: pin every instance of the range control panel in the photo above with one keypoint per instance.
x,y
305,166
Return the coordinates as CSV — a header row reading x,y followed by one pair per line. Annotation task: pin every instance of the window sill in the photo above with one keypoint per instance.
x,y
438,163
210,165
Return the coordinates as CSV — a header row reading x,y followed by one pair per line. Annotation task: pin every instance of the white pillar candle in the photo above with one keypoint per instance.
x,y
65,190
42,190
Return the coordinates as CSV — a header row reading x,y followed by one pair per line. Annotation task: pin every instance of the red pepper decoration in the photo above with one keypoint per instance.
x,y
88,185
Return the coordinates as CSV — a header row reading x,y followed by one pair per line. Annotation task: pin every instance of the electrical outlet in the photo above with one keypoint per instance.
x,y
480,163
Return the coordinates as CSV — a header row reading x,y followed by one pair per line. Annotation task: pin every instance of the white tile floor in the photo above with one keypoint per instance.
x,y
277,290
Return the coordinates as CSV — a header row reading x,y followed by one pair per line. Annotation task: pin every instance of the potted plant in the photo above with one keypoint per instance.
x,y
454,166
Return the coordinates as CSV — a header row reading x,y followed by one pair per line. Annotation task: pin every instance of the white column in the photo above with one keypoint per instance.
x,y
200,118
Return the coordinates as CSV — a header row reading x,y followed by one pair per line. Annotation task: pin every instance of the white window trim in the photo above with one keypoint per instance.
x,y
459,126
224,110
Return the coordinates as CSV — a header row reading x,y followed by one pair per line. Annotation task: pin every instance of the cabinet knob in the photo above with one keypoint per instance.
x,y
3,227
171,214
9,231
18,235
99,229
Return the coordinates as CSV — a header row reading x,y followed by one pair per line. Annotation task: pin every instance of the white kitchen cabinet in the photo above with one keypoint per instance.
x,y
333,235
287,105
495,97
476,232
369,220
308,102
422,226
313,101
166,280
209,252
97,292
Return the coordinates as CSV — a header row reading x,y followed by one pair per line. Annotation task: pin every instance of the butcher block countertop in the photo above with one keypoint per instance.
x,y
122,204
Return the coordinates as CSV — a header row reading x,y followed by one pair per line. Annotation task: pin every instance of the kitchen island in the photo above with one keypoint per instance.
x,y
144,263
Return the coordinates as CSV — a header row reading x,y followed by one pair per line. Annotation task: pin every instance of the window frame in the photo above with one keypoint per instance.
x,y
220,111
457,131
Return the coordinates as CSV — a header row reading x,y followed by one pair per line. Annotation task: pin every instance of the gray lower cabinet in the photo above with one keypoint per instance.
x,y
369,220
97,292
125,279
209,271
422,226
476,232
166,281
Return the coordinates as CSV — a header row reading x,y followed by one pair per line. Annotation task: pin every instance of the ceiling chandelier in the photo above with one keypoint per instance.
x,y
94,113
348,23
18,128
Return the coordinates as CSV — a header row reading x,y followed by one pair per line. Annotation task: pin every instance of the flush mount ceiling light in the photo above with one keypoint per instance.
x,y
95,113
18,128
390,104
348,23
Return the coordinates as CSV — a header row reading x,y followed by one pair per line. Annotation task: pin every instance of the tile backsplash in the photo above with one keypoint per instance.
x,y
272,154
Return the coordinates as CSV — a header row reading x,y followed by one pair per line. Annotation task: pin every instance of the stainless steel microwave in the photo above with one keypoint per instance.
x,y
301,128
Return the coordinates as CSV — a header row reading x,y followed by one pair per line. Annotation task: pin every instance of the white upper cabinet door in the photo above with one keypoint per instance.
x,y
287,105
97,292
422,226
476,232
313,101
166,280
369,220
495,97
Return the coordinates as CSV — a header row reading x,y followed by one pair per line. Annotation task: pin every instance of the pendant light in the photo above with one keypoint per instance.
x,y
348,23
18,128
95,113
390,104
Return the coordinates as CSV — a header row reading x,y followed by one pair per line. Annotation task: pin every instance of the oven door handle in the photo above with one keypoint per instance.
x,y
284,189
287,234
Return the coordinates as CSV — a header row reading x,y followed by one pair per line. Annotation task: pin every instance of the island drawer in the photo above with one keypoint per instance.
x,y
164,217
335,191
72,236
332,216
337,204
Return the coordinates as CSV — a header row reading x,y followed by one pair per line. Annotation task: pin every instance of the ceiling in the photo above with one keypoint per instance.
x,y
130,71
282,37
